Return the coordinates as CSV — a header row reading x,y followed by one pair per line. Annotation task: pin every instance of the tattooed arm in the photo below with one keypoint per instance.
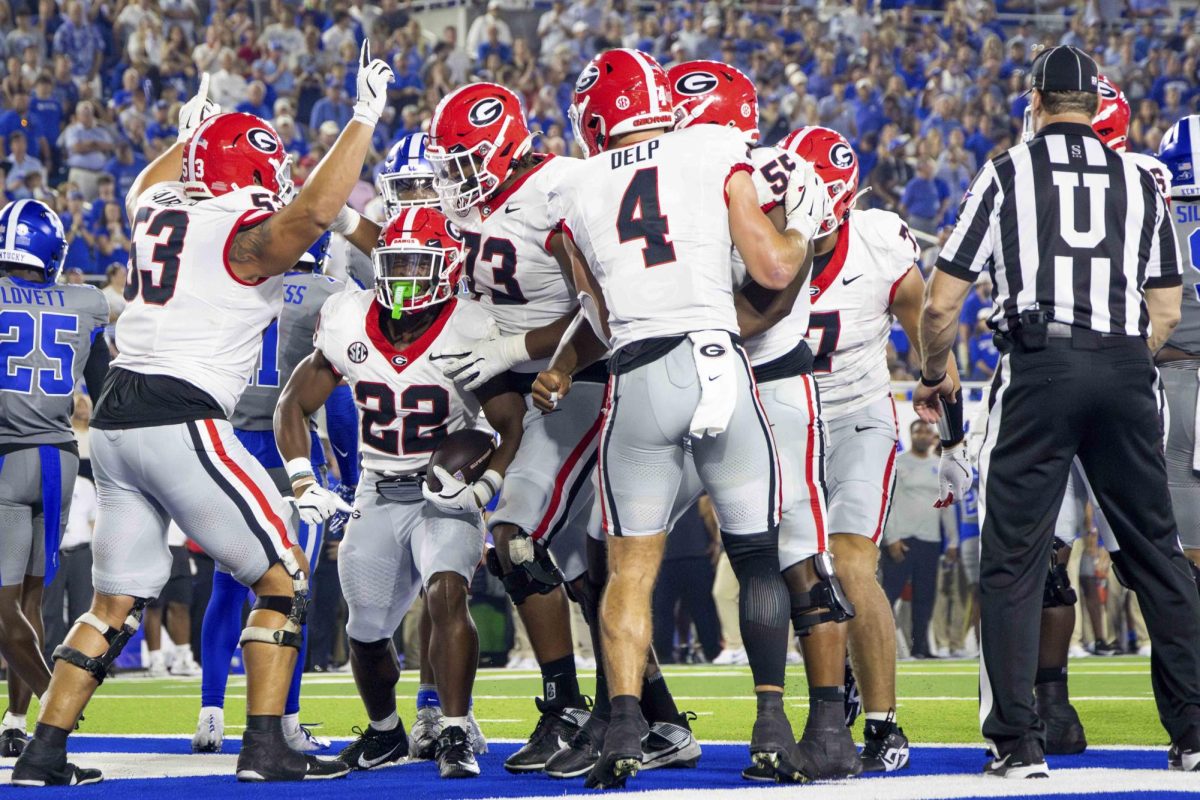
x,y
274,246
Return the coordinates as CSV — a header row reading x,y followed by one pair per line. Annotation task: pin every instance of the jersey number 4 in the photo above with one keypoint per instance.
x,y
640,217
20,335
165,253
425,410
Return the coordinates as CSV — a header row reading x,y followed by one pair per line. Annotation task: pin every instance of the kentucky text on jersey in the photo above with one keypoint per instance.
x,y
28,296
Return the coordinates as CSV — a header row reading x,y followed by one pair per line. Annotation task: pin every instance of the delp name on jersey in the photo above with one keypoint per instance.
x,y
209,332
406,405
46,335
850,320
508,264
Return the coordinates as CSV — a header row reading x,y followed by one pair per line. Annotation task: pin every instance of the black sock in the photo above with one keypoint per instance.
x,y
657,703
264,722
830,694
560,685
602,706
1051,675
625,705
50,735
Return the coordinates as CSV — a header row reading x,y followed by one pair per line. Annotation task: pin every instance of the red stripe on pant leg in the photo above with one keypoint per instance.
x,y
560,480
248,482
887,479
814,497
604,411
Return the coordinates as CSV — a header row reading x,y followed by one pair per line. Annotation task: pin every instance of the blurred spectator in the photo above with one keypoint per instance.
x,y
114,289
983,353
333,107
477,34
19,166
88,148
925,198
227,86
256,101
80,41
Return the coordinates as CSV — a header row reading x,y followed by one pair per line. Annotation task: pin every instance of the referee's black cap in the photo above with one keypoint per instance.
x,y
1064,69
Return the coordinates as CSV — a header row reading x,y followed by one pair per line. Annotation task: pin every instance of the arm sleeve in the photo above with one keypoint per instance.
x,y
341,420
1162,265
96,368
970,247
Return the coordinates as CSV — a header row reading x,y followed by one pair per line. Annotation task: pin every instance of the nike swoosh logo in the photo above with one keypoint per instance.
x,y
861,428
848,281
713,377
511,209
339,451
368,763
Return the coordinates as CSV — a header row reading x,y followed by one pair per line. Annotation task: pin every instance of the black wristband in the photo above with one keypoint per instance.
x,y
932,384
950,426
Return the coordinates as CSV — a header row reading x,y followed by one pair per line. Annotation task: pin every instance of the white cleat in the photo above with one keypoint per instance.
x,y
729,658
210,730
422,737
158,665
185,666
478,742
303,740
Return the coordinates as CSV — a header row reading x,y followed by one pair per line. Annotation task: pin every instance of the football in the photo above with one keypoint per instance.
x,y
464,454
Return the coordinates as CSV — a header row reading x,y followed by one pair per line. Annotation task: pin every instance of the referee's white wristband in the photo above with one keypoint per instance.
x,y
298,469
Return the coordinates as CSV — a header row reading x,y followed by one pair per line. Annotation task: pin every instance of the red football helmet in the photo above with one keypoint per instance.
x,y
233,151
418,262
835,163
709,92
619,92
1111,122
478,132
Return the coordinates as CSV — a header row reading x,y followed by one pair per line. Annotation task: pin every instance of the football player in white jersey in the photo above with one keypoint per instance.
x,y
709,92
652,218
403,538
213,233
865,273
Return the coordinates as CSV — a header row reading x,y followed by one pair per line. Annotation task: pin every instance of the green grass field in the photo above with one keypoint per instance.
x,y
937,702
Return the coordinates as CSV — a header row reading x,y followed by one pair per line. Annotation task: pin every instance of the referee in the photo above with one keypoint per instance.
x,y
1087,285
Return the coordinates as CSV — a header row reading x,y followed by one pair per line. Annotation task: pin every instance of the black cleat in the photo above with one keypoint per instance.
x,y
578,757
375,748
671,745
12,742
554,731
853,701
770,738
42,765
1027,760
885,747
621,757
1184,755
826,749
455,755
1064,731
266,757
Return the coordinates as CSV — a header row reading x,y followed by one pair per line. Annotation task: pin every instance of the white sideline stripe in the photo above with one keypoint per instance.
x,y
748,698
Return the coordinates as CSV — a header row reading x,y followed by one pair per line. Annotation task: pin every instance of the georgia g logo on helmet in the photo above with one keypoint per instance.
x,y
696,83
841,156
262,139
587,79
1106,90
485,112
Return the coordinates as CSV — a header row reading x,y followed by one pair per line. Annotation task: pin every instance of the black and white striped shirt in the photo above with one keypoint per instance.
x,y
1067,225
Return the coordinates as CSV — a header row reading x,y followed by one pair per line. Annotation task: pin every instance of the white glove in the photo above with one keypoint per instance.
x,y
490,358
457,497
806,201
346,221
318,504
195,111
954,475
374,75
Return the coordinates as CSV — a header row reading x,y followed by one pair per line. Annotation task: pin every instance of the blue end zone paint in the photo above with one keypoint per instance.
x,y
719,768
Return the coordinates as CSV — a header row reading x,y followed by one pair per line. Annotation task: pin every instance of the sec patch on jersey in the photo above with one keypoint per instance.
x,y
464,454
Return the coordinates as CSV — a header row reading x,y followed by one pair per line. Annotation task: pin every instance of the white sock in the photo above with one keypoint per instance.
x,y
389,723
291,724
880,716
183,653
454,722
12,720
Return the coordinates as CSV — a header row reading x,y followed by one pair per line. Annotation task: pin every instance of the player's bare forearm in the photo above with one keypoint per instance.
x,y
906,306
274,247
167,167
542,342
505,412
306,391
773,259
1163,306
582,349
939,321
366,236
558,248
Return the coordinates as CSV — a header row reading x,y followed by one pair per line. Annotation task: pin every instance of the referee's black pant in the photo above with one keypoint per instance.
x,y
1094,397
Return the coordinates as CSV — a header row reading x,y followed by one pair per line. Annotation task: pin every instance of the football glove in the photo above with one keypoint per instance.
x,y
195,111
489,358
954,475
337,523
456,497
318,504
806,200
374,75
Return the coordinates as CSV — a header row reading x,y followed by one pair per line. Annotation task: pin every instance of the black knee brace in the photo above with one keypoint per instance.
x,y
763,602
1058,591
97,666
295,608
533,570
824,602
